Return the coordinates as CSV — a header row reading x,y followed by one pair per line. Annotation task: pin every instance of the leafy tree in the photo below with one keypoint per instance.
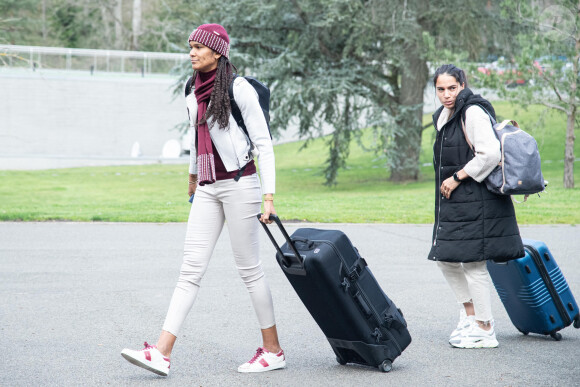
x,y
154,25
168,24
548,62
18,21
339,64
351,64
73,23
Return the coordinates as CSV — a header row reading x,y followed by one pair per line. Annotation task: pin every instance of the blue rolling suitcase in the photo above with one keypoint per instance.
x,y
534,292
333,281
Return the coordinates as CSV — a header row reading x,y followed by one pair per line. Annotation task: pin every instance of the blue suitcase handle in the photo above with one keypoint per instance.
x,y
291,263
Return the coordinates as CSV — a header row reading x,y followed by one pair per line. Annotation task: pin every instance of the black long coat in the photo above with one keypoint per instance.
x,y
473,224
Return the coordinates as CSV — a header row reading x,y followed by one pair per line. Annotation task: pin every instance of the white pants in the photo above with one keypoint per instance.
x,y
238,203
471,283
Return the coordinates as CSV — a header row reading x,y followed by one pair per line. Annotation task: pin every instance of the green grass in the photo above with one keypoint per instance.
x,y
157,193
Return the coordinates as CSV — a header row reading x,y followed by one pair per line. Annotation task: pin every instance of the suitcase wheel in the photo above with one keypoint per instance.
x,y
577,323
386,366
525,333
556,336
340,361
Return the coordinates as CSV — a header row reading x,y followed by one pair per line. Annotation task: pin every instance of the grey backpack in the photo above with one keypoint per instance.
x,y
519,170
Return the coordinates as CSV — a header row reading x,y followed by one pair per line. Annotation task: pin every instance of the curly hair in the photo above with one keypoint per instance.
x,y
219,109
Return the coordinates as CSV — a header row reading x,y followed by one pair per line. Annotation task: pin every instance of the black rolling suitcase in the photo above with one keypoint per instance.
x,y
333,281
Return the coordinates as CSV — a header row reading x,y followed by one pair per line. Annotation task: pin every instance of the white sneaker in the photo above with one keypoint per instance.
x,y
264,361
464,322
475,337
149,358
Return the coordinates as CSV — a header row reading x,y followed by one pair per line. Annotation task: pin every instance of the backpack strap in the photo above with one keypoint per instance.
x,y
492,120
235,109
505,122
465,135
239,120
188,84
240,173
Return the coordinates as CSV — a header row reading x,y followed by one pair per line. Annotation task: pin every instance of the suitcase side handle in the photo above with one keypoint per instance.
x,y
291,263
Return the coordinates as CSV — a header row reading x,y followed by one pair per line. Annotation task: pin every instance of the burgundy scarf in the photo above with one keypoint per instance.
x,y
205,162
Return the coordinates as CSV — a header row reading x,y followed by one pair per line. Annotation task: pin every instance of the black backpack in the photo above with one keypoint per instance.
x,y
263,98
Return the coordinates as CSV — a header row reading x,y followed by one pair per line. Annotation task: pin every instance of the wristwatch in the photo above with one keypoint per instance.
x,y
456,178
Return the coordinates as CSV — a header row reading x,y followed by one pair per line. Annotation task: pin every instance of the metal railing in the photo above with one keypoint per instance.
x,y
61,58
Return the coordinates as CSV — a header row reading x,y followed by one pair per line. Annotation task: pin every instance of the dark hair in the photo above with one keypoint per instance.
x,y
453,71
219,109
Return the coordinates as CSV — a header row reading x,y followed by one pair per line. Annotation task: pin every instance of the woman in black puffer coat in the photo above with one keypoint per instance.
x,y
472,224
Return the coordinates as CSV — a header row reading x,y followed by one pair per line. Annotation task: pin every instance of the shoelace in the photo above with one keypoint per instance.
x,y
147,346
462,323
259,353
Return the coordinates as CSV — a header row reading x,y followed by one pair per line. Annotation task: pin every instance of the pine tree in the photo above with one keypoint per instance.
x,y
352,64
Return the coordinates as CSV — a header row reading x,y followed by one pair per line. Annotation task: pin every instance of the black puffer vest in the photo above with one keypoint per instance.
x,y
473,224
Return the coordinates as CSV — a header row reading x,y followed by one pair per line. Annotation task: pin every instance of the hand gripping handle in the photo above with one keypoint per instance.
x,y
291,263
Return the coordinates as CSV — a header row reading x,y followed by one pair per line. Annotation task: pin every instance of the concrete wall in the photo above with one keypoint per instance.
x,y
53,119
78,115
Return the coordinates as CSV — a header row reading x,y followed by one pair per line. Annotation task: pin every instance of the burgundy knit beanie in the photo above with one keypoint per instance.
x,y
213,36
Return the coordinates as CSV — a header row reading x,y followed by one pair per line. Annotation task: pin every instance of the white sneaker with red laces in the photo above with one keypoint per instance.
x,y
149,358
264,361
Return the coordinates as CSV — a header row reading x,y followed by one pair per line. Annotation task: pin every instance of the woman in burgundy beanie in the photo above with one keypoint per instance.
x,y
223,177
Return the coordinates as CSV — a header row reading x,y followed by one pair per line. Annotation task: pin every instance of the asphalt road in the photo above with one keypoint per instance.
x,y
73,295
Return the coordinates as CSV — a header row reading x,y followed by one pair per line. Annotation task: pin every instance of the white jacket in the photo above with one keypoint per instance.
x,y
232,143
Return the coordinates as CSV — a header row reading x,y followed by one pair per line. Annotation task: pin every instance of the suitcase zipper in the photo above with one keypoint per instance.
x,y
374,313
549,284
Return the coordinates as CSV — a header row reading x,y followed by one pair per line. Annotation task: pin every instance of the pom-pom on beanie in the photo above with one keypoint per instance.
x,y
213,36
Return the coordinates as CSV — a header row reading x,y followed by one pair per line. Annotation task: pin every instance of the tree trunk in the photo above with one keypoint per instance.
x,y
119,43
569,154
339,146
407,143
136,23
106,26
44,29
572,107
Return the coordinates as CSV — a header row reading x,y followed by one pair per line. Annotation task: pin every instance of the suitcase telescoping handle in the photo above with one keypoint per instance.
x,y
291,263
